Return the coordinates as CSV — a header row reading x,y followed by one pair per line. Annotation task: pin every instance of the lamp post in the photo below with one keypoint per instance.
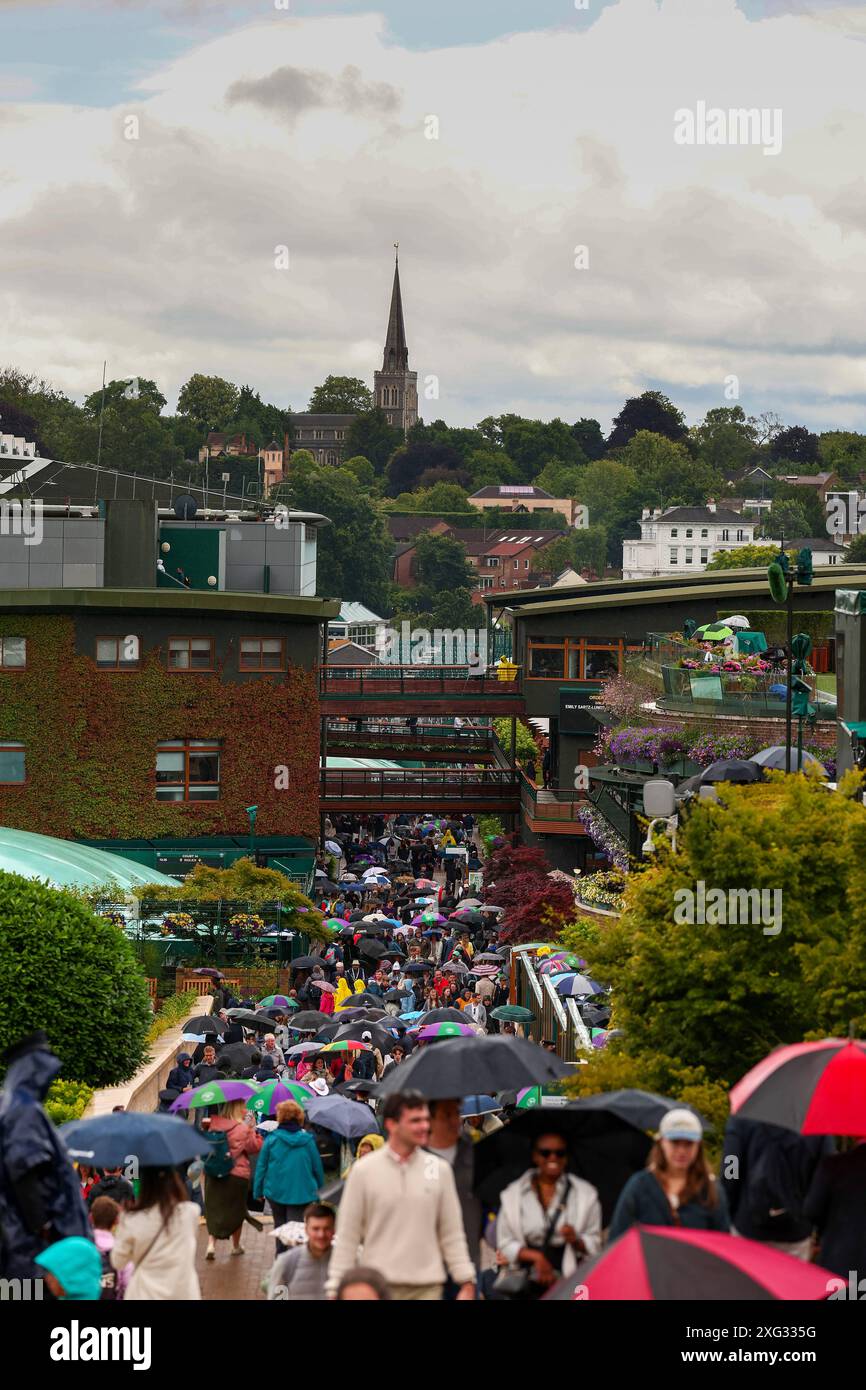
x,y
252,812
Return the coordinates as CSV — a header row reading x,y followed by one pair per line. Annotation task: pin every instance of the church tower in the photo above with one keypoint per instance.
x,y
395,388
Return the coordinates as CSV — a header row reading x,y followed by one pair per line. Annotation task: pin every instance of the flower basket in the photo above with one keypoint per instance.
x,y
177,924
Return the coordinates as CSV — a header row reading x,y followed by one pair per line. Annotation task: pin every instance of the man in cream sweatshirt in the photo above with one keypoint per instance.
x,y
400,1212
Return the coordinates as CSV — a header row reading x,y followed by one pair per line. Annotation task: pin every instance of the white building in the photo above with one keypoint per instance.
x,y
357,623
683,540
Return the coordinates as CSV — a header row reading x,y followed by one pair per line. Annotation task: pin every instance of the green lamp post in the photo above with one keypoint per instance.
x,y
252,812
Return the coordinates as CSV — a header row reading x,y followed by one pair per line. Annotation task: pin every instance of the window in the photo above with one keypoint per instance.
x,y
705,534
364,635
705,555
689,554
339,434
117,653
11,763
673,532
831,559
741,535
725,535
332,459
546,662
689,533
190,654
526,564
601,662
492,561
517,564
188,770
317,434
673,553
485,582
262,654
13,653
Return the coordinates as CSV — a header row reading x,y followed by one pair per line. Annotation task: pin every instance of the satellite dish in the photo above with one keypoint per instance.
x,y
185,507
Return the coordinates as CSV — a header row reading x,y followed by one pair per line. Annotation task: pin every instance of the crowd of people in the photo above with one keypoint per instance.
x,y
372,1184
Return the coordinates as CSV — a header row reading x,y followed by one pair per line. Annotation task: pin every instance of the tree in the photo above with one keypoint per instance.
x,y
491,468
262,422
371,435
354,553
441,564
60,962
560,479
244,882
795,445
585,548
443,499
135,437
844,453
766,426
744,557
209,401
652,412
589,437
18,422
725,439
786,519
533,443
410,463
341,395
362,469
856,552
666,473
537,906
723,996
526,749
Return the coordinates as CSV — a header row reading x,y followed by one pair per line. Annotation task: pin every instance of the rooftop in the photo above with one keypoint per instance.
x,y
511,490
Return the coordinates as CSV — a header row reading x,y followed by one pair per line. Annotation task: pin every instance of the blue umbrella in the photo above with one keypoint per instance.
x,y
344,1117
479,1105
573,986
156,1141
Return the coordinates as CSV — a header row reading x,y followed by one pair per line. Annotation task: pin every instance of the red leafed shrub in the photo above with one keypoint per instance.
x,y
537,906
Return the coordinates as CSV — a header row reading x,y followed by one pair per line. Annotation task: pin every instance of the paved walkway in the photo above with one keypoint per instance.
x,y
236,1277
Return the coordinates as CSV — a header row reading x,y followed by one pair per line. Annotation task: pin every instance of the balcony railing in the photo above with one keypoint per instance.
x,y
420,681
386,734
551,803
422,785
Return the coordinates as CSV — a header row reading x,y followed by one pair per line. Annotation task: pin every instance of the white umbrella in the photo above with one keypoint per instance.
x,y
333,848
737,621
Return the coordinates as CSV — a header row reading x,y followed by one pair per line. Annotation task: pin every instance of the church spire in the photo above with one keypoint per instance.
x,y
396,355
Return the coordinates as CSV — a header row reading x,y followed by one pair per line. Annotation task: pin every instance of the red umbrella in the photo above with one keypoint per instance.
x,y
657,1263
811,1087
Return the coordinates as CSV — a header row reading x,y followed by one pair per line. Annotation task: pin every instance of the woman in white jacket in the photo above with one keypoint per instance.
x,y
548,1219
159,1237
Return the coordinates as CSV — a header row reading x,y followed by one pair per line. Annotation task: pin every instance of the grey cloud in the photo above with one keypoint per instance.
x,y
287,92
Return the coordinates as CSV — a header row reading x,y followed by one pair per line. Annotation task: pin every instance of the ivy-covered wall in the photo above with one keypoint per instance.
x,y
91,740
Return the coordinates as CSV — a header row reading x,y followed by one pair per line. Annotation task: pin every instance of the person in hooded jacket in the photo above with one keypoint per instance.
x,y
40,1194
180,1076
289,1171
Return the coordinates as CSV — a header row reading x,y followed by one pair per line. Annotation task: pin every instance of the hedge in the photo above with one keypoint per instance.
x,y
175,1010
73,974
67,1100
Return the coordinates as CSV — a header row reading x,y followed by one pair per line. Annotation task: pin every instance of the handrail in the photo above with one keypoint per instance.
x,y
532,977
580,1028
556,1002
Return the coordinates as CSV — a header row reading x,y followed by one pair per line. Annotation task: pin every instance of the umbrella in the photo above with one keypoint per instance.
x,y
208,970
305,962
511,1013
428,919
308,1021
256,1023
273,1093
604,1148
325,986
660,1263
337,924
641,1109
492,956
775,758
379,1035
444,1016
426,883
479,1105
474,1065
484,971
731,770
713,632
457,967
344,1117
358,1086
238,1054
467,916
156,1141
417,967
373,950
562,959
333,848
737,621
346,1045
577,986
213,1093
445,1030
207,1024
281,1001
811,1087
301,1049
360,1001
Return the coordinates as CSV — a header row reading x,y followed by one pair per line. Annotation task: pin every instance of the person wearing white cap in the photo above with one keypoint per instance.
x,y
677,1187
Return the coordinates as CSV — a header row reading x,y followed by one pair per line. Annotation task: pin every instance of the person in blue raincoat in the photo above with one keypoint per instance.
x,y
40,1196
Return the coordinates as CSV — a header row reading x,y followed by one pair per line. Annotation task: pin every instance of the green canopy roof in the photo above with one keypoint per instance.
x,y
67,864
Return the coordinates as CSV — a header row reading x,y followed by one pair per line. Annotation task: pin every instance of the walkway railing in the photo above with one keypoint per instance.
x,y
551,803
422,681
419,785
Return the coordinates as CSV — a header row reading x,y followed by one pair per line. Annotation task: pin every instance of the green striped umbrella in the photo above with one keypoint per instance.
x,y
269,1096
214,1093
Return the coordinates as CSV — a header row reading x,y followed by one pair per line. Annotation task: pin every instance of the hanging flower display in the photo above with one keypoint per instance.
x,y
116,919
603,835
177,924
246,924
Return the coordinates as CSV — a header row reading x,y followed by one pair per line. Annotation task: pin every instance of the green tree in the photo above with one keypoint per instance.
x,y
74,974
135,437
354,553
725,440
844,453
491,468
533,443
262,422
362,469
560,479
209,401
421,464
441,564
786,518
744,557
723,996
243,882
443,499
651,413
589,437
856,552
371,435
339,395
526,745
795,445
666,472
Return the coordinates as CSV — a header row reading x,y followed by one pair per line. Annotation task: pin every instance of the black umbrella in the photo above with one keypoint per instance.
x,y
417,967
156,1140
372,1014
347,932
358,1086
305,962
206,1023
442,1016
238,1054
354,1032
373,950
475,1066
326,1033
372,928
642,1109
256,1023
393,996
604,1148
732,770
362,1001
308,1021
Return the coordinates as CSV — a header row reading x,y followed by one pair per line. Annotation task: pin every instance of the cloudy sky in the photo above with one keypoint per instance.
x,y
308,127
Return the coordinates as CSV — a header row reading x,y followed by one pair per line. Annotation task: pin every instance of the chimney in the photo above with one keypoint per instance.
x,y
657,511
644,516
711,504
